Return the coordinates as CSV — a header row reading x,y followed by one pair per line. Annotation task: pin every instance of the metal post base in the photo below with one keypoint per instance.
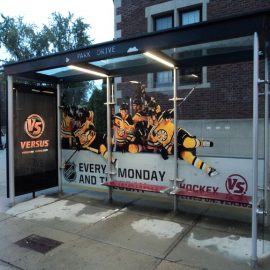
x,y
110,194
253,263
175,201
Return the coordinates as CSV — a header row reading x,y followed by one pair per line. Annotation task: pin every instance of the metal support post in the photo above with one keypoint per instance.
x,y
175,176
1,144
266,132
59,152
255,150
109,135
11,141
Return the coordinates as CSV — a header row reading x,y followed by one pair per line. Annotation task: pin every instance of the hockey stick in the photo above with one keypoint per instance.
x,y
185,98
71,156
191,91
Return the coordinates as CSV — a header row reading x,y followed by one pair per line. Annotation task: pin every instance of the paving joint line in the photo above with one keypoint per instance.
x,y
10,264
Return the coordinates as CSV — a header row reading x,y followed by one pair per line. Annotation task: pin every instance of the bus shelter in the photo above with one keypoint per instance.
x,y
37,160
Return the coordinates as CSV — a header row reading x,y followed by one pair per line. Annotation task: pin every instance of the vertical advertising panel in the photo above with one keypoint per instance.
x,y
35,140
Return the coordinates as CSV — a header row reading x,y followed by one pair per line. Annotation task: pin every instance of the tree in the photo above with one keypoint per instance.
x,y
65,33
96,104
24,41
16,37
77,94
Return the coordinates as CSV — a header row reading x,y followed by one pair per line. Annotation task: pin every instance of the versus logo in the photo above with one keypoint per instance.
x,y
34,126
236,184
70,172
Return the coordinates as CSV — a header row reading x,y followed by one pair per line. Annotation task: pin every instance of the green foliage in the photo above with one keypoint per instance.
x,y
96,104
23,41
16,37
65,33
77,94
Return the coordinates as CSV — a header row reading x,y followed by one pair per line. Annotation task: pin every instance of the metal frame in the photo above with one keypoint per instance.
x,y
255,150
59,154
266,131
11,141
248,24
109,135
175,136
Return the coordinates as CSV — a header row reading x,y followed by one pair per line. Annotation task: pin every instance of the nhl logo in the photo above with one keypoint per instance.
x,y
70,172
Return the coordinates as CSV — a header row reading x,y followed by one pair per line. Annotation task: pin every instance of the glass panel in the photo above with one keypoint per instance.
x,y
144,104
163,78
221,112
60,72
77,100
211,48
190,17
122,62
163,23
190,76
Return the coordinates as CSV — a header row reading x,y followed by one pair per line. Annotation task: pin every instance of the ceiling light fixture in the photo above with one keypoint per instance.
x,y
85,70
159,59
48,92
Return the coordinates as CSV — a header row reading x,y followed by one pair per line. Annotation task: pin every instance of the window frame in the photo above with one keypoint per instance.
x,y
162,16
182,11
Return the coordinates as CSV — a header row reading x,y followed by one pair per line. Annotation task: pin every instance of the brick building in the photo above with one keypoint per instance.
x,y
221,106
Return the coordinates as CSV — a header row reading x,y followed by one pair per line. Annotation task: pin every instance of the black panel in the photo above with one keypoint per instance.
x,y
35,139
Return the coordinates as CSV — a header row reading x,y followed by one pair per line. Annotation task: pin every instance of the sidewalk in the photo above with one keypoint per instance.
x,y
129,234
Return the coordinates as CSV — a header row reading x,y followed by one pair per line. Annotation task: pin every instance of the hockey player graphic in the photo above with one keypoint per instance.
x,y
161,137
186,144
140,125
67,126
124,128
87,137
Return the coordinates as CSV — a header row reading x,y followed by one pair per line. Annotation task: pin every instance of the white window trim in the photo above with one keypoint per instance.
x,y
174,6
117,19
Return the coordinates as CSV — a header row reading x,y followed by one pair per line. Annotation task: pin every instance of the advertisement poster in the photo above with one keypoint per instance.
x,y
142,145
35,145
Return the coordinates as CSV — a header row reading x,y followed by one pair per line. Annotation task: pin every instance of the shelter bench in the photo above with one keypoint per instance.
x,y
137,186
216,196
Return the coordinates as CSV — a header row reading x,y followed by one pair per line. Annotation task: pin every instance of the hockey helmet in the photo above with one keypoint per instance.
x,y
168,114
137,101
124,106
152,104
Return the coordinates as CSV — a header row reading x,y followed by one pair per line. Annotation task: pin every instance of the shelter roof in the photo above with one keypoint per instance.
x,y
214,42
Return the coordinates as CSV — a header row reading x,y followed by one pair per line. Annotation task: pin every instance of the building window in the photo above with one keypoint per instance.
x,y
163,79
190,16
169,14
189,76
163,22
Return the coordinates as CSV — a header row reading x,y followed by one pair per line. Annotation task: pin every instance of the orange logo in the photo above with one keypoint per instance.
x,y
34,126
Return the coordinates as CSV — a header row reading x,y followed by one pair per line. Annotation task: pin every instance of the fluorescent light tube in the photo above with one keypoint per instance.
x,y
159,59
85,70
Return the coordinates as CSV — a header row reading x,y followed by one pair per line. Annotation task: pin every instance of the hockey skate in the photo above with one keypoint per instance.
x,y
213,172
206,143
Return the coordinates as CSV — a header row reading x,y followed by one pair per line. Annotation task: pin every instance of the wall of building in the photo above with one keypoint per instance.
x,y
132,19
226,91
221,108
220,8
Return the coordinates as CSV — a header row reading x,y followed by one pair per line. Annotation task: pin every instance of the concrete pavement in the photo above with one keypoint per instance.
x,y
131,233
